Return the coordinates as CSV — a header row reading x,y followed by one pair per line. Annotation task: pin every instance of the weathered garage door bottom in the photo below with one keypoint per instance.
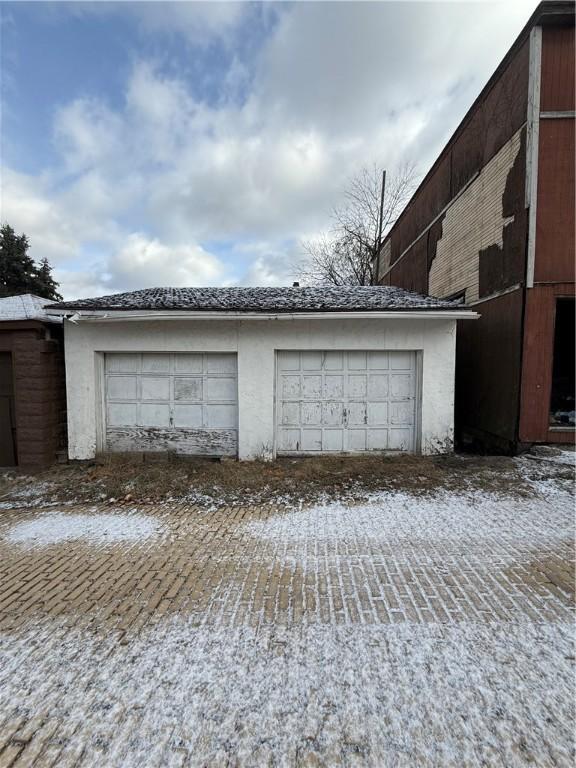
x,y
195,442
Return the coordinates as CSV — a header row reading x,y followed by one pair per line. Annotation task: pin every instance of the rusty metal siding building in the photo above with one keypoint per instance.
x,y
32,385
493,222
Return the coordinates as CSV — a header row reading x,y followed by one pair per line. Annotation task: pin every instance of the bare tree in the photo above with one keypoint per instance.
x,y
346,254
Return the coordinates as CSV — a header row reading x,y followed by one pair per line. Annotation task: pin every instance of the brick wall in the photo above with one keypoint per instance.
x,y
39,393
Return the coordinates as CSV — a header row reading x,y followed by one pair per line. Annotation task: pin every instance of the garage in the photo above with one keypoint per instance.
x,y
346,401
181,403
259,372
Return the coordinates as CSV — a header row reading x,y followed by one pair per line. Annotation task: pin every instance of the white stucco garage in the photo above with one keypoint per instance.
x,y
260,372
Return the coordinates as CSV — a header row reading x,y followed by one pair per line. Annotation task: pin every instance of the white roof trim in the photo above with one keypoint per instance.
x,y
133,315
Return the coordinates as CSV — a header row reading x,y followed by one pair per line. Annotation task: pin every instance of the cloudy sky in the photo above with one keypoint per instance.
x,y
195,143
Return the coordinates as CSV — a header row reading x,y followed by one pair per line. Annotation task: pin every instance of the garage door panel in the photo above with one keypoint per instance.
x,y
155,388
358,386
155,363
289,361
154,415
379,361
188,363
401,361
333,361
219,415
333,440
346,401
377,439
402,385
333,386
220,389
332,414
378,386
290,386
121,414
311,413
289,440
190,388
357,440
311,361
311,440
377,414
181,402
122,387
291,413
220,363
357,361
357,413
312,386
187,415
120,363
402,413
400,439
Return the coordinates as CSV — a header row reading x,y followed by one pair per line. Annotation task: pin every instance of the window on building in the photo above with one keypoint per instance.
x,y
562,397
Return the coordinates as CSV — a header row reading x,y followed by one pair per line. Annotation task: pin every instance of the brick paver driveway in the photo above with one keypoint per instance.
x,y
405,630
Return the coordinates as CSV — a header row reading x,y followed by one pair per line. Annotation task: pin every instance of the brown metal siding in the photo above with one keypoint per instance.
x,y
557,83
39,392
411,272
488,354
537,363
555,220
488,127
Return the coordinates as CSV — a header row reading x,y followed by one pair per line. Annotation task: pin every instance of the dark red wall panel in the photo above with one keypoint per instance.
x,y
555,220
557,83
537,360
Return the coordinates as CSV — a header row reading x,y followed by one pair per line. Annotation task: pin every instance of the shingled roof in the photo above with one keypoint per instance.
x,y
290,300
25,306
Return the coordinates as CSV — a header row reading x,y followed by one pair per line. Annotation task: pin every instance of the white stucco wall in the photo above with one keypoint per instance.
x,y
255,342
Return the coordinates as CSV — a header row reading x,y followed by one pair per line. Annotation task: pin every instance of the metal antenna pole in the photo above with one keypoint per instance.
x,y
380,224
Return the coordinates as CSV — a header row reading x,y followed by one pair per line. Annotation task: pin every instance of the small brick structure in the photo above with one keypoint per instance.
x,y
32,385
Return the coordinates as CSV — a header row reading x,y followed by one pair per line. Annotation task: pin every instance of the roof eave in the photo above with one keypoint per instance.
x,y
106,315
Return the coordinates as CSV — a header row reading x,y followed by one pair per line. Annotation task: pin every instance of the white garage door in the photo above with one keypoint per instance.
x,y
346,401
186,403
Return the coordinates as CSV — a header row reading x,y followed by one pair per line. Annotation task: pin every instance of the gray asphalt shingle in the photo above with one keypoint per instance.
x,y
293,299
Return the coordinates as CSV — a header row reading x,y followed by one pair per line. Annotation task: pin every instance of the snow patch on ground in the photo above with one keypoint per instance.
x,y
32,494
549,472
400,516
57,527
407,694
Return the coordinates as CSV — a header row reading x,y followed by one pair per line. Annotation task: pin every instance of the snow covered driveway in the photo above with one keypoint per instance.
x,y
401,631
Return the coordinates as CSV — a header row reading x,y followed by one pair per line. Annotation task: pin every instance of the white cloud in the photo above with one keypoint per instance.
x,y
142,262
28,206
200,22
87,133
148,259
335,86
